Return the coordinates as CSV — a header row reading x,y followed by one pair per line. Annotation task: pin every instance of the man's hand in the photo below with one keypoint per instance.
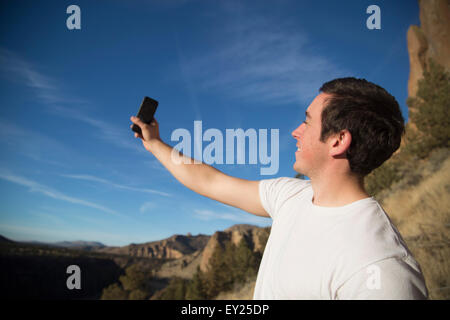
x,y
150,132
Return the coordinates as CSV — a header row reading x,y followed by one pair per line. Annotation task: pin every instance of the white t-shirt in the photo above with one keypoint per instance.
x,y
348,252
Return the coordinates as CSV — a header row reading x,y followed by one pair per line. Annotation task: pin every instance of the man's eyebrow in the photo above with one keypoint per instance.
x,y
307,114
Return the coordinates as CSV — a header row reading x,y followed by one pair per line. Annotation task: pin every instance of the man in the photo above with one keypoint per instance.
x,y
329,239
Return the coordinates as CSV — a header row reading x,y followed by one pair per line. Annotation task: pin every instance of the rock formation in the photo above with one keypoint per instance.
x,y
430,40
254,236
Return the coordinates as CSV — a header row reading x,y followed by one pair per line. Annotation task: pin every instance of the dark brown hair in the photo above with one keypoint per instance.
x,y
370,114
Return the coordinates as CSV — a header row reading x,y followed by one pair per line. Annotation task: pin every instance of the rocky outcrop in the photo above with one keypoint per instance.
x,y
184,267
430,40
190,251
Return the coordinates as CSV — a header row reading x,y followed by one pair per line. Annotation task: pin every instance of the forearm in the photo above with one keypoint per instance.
x,y
195,176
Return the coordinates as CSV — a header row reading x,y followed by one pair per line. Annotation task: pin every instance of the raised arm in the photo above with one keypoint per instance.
x,y
200,177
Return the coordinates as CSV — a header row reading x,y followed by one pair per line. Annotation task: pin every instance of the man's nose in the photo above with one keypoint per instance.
x,y
296,132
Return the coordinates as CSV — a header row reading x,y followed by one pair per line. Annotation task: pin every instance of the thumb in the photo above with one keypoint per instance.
x,y
137,121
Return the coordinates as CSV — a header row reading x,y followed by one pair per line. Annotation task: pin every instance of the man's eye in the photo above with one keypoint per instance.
x,y
304,122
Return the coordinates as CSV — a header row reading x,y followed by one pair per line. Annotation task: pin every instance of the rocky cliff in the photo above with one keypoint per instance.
x,y
429,40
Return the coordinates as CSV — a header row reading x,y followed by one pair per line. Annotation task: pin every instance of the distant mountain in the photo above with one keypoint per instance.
x,y
4,239
83,245
79,245
174,247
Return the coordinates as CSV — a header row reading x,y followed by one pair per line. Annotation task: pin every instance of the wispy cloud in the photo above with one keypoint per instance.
x,y
261,59
112,184
22,71
120,137
241,217
52,193
49,91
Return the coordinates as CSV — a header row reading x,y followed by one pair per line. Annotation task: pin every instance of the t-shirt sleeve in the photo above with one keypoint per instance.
x,y
274,192
388,279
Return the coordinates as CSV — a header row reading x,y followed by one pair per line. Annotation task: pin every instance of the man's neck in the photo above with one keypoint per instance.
x,y
337,190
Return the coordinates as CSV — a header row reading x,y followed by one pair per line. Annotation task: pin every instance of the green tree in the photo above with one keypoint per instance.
x,y
136,278
245,263
431,107
230,265
196,289
218,275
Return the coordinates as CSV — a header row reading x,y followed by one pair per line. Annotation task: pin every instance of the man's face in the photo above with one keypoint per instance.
x,y
312,153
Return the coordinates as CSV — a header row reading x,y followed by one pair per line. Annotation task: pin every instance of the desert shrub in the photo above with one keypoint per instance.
x,y
382,177
176,290
114,292
421,213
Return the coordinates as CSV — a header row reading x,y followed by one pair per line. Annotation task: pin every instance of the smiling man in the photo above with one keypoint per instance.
x,y
329,239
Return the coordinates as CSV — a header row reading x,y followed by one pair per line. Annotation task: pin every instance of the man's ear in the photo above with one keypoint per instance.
x,y
340,143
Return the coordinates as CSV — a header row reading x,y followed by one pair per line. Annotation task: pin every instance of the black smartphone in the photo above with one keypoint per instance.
x,y
146,112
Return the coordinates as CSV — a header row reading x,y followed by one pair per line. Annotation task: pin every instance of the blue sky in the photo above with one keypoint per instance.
x,y
70,167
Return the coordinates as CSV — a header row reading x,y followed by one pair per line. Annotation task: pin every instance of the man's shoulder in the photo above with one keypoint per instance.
x,y
284,187
275,192
283,182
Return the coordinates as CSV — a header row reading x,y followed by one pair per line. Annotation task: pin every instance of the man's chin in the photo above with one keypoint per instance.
x,y
298,169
